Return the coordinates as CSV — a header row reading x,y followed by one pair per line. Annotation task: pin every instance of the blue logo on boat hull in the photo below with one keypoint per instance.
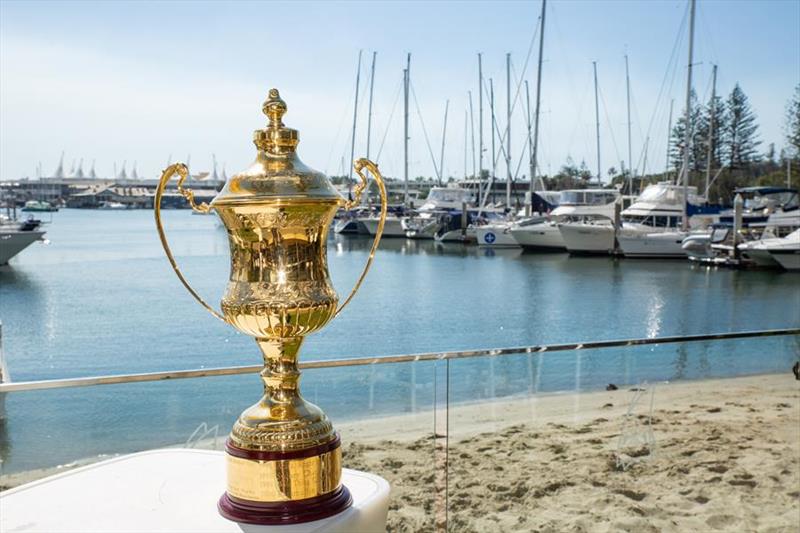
x,y
489,237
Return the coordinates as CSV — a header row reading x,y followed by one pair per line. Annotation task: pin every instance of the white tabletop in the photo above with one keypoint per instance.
x,y
164,490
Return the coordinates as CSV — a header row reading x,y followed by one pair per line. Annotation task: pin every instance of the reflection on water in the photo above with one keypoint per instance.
x,y
102,299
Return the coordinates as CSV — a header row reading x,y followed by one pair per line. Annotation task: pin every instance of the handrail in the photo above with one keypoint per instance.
x,y
385,359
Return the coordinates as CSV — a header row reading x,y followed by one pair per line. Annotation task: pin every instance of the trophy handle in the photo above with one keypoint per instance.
x,y
183,172
373,169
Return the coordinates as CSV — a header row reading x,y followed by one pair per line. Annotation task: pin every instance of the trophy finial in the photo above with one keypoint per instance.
x,y
277,138
274,108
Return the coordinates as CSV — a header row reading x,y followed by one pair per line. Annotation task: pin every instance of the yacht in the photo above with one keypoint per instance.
x,y
16,236
35,206
392,227
429,218
498,234
757,253
787,251
574,206
652,226
350,221
768,213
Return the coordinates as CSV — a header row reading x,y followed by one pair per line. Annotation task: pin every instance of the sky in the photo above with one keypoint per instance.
x,y
152,82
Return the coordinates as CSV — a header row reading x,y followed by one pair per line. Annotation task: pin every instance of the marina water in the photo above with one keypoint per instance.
x,y
101,299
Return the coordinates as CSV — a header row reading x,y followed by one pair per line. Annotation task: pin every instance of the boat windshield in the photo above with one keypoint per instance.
x,y
588,197
786,199
661,193
448,195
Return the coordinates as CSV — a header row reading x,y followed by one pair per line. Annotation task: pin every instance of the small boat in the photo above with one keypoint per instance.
x,y
39,206
16,236
576,208
787,251
112,206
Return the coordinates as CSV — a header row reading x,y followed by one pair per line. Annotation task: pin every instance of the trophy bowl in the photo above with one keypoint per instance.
x,y
284,459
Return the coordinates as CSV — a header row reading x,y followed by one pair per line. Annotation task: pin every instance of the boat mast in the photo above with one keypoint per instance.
x,y
353,137
630,152
406,81
466,149
669,139
597,119
530,138
508,131
535,148
480,129
472,132
494,149
441,154
710,153
371,87
687,134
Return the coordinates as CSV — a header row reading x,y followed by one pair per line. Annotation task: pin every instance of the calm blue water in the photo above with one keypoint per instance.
x,y
102,299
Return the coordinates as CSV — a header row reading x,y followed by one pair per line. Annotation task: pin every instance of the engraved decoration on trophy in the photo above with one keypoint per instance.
x,y
283,455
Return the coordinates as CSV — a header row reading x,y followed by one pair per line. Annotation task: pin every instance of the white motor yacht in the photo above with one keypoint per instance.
x,y
427,221
393,226
651,227
757,251
16,236
574,206
787,251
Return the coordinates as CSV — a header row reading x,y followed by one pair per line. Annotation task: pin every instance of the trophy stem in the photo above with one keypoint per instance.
x,y
284,459
280,375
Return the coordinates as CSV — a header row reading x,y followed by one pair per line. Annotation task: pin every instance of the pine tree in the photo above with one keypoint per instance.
x,y
793,124
696,159
718,133
741,130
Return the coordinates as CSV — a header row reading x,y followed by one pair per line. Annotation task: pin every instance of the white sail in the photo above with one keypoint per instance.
x,y
122,175
79,171
134,174
59,173
214,175
92,173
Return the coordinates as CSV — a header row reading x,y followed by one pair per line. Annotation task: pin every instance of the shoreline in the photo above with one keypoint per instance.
x,y
465,417
725,456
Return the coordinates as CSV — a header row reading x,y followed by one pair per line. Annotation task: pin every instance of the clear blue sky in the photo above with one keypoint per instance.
x,y
142,81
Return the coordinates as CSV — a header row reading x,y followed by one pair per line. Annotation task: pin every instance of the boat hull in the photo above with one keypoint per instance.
x,y
468,237
788,258
653,245
13,242
587,239
495,236
544,237
393,226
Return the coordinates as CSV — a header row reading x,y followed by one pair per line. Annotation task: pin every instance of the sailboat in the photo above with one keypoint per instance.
x,y
348,222
663,229
501,235
393,226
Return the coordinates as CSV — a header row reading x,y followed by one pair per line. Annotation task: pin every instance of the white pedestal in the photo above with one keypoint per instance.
x,y
165,490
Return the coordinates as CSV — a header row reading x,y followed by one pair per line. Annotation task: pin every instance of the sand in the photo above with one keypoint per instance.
x,y
725,457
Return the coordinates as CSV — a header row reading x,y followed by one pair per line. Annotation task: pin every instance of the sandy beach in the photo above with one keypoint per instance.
x,y
725,457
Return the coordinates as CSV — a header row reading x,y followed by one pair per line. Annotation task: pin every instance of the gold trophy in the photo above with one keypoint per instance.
x,y
283,456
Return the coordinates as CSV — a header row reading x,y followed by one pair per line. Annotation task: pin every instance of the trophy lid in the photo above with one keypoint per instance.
x,y
277,173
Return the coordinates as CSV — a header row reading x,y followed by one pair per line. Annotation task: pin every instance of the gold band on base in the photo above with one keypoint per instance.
x,y
267,477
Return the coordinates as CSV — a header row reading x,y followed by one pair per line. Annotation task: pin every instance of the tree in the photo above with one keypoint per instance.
x,y
793,123
676,151
741,130
717,136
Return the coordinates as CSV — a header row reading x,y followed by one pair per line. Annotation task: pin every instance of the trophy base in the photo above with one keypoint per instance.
x,y
287,512
290,487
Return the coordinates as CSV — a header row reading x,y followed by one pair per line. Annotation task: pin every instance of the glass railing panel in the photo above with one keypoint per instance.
x,y
384,414
691,436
